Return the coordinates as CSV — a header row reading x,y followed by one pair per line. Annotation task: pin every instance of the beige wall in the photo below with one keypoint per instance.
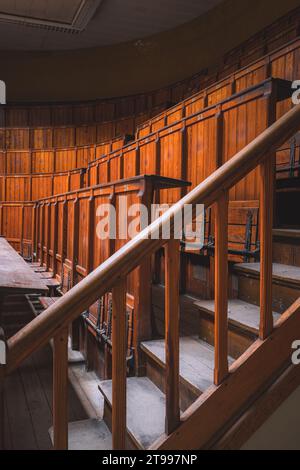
x,y
281,430
127,68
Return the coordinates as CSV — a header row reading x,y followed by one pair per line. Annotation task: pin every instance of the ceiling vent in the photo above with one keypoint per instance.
x,y
58,15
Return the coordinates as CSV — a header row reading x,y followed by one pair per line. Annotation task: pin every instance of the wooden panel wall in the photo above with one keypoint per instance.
x,y
17,188
196,145
16,224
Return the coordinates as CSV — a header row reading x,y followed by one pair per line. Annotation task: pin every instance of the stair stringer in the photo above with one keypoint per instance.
x,y
247,375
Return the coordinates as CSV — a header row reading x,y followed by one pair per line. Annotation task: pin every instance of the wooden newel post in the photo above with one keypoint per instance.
x,y
3,356
266,227
60,390
119,345
221,289
172,275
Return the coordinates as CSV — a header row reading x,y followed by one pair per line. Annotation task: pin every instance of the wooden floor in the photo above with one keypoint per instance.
x,y
28,404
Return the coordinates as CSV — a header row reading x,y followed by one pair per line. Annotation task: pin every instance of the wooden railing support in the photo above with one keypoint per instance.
x,y
119,345
172,274
2,376
266,226
60,390
221,289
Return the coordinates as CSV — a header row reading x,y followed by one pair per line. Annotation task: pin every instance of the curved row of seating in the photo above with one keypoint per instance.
x,y
56,160
49,138
70,157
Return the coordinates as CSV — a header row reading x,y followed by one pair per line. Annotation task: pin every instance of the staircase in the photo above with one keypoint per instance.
x,y
190,388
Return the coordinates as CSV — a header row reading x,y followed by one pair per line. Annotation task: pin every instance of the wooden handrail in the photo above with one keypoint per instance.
x,y
111,275
120,264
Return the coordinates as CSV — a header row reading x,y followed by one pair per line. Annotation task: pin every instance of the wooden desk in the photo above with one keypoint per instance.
x,y
16,276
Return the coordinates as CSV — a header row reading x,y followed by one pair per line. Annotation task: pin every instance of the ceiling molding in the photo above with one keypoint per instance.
x,y
83,14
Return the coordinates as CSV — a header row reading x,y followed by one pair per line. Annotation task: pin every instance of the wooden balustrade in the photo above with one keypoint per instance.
x,y
221,289
172,272
2,378
119,368
60,390
111,275
266,241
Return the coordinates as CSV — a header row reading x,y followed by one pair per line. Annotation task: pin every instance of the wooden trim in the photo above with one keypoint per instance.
x,y
246,376
60,390
262,408
221,288
266,242
172,273
119,365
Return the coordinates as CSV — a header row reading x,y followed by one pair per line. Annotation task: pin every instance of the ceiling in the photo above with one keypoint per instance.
x,y
72,24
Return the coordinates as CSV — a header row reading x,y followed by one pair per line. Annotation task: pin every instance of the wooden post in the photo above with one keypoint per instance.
x,y
221,289
2,376
119,345
54,228
60,390
266,226
48,232
74,260
91,230
172,255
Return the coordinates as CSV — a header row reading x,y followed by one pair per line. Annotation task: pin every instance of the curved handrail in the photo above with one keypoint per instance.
x,y
80,297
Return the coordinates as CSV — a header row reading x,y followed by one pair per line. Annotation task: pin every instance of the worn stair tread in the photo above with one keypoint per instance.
x,y
240,313
196,360
281,272
88,434
145,409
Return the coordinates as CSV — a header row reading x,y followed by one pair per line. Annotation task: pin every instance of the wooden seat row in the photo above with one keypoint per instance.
x,y
49,138
282,63
193,147
149,104
57,160
18,188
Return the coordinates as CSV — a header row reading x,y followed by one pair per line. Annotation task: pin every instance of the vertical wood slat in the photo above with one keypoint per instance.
x,y
221,289
172,274
60,390
119,345
266,226
2,378
54,228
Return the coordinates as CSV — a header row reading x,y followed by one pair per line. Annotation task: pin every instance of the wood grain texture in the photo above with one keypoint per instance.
x,y
221,289
266,239
172,270
119,345
60,390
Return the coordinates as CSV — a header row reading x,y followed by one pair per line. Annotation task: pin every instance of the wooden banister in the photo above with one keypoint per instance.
x,y
2,375
119,364
172,334
111,275
266,239
60,390
81,296
221,289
